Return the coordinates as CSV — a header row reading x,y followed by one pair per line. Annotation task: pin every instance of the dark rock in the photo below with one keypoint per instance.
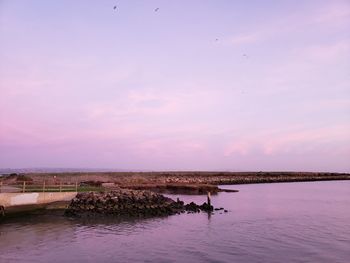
x,y
126,202
206,207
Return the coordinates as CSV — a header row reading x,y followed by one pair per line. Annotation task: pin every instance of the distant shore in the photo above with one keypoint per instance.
x,y
181,182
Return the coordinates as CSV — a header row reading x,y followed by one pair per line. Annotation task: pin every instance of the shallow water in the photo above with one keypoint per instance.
x,y
285,222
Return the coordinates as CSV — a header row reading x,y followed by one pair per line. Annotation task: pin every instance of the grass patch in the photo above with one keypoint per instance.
x,y
39,189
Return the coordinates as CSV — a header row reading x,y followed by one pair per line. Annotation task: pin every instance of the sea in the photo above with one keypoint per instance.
x,y
279,222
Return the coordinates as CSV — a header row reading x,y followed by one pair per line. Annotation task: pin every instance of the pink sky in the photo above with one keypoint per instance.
x,y
198,85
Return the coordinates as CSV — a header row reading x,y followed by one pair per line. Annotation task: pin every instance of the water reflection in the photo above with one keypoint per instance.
x,y
271,222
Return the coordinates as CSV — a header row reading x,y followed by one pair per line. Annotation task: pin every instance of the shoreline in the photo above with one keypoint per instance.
x,y
197,183
174,188
160,179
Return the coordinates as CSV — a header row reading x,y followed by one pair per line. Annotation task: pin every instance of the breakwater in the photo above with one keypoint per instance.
x,y
181,178
176,188
130,203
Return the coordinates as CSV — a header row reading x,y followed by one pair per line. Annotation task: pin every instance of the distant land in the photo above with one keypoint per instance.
x,y
61,170
151,179
49,170
89,170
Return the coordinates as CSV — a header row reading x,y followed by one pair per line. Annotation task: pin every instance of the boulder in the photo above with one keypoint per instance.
x,y
126,202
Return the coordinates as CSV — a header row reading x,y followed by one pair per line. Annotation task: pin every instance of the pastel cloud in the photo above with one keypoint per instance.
x,y
293,141
245,39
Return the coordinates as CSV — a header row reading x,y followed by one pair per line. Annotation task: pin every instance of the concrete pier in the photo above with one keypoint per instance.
x,y
20,202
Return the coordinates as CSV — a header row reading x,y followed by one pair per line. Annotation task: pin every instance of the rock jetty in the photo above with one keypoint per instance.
x,y
176,188
130,203
176,180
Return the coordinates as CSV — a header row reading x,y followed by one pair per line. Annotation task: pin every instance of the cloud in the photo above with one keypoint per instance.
x,y
136,104
328,52
337,13
240,147
330,140
330,15
151,103
244,39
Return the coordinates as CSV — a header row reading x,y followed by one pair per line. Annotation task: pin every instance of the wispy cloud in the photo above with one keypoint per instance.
x,y
332,14
328,52
244,39
329,140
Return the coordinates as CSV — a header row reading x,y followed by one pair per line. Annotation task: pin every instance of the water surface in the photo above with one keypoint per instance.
x,y
285,222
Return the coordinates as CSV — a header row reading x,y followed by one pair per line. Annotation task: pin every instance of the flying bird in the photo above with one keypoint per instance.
x,y
115,7
156,10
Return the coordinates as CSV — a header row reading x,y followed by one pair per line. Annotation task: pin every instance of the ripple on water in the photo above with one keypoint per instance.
x,y
267,223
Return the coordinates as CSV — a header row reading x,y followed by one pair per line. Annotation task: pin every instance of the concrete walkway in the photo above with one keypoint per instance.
x,y
19,202
10,189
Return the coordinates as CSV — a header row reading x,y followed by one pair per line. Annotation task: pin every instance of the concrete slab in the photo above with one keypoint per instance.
x,y
13,201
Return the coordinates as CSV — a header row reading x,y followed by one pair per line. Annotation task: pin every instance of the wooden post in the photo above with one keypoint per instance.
x,y
208,199
0,186
44,187
24,187
2,210
76,186
60,186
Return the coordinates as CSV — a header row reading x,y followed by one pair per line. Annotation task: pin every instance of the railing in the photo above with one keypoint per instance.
x,y
26,187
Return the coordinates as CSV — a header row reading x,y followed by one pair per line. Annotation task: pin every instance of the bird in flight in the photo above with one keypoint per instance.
x,y
156,10
216,39
114,7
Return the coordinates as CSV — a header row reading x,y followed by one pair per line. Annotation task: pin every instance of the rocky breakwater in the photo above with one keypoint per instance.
x,y
129,203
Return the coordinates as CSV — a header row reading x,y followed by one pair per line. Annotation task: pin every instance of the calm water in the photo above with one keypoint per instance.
x,y
291,222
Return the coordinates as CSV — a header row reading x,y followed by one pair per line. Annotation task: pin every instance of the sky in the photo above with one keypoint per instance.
x,y
195,85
